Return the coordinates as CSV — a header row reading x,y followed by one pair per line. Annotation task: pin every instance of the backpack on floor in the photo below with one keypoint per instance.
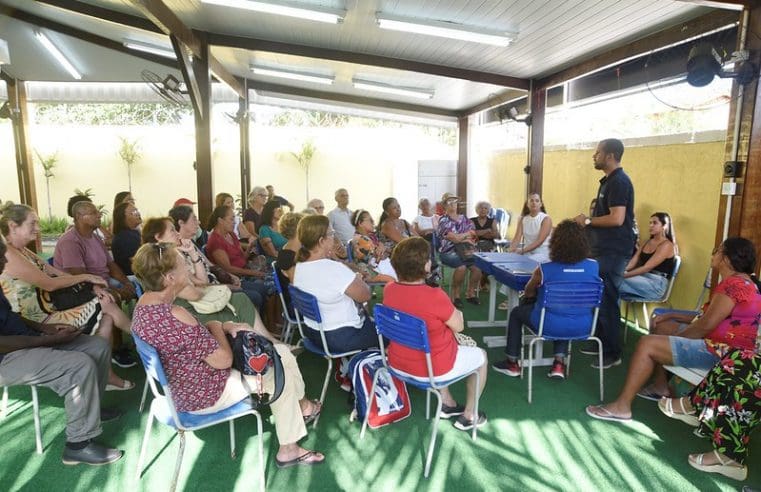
x,y
391,402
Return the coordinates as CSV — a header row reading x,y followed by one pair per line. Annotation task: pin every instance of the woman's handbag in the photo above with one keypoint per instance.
x,y
254,355
464,250
65,298
465,340
215,299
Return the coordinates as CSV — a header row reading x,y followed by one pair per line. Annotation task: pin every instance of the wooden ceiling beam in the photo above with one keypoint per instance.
x,y
104,14
662,39
286,90
495,100
84,36
252,44
166,20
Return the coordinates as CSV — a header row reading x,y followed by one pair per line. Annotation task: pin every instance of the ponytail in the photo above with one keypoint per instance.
x,y
302,255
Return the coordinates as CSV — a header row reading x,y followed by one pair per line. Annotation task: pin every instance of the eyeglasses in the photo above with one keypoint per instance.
x,y
330,234
135,213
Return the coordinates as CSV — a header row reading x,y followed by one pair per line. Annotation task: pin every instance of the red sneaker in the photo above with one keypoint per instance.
x,y
557,371
508,367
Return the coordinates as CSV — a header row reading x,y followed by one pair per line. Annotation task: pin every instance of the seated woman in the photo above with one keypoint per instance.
x,y
486,227
339,291
224,249
726,407
569,250
648,272
427,222
126,226
729,321
456,251
286,257
270,240
368,252
442,320
532,236
25,273
199,365
252,216
227,200
392,228
162,230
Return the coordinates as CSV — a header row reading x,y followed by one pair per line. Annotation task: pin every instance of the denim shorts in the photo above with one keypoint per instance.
x,y
453,260
691,353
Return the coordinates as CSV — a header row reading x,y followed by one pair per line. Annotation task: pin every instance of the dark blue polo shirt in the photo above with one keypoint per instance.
x,y
615,190
11,323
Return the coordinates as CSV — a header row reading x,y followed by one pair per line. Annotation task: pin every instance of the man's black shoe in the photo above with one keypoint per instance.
x,y
92,454
109,414
590,348
123,358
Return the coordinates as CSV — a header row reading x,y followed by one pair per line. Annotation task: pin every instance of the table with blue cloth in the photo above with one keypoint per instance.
x,y
509,269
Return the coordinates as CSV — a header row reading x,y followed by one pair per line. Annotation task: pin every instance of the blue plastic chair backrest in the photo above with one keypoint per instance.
x,y
277,279
151,361
305,304
572,295
401,328
350,251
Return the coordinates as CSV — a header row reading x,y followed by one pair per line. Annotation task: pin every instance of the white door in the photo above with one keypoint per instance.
x,y
436,178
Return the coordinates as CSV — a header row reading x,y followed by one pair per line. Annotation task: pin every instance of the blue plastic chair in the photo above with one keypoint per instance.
x,y
290,321
305,306
163,410
644,302
573,297
410,331
503,222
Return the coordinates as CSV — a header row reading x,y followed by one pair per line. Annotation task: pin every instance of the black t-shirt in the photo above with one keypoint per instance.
x,y
124,246
615,190
251,215
11,323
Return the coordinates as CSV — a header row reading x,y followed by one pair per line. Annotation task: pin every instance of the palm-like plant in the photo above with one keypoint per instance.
x,y
129,152
304,158
48,164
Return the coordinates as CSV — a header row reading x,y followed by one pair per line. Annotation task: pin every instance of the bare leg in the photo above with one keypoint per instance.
x,y
651,351
447,398
457,278
475,279
288,452
470,384
118,317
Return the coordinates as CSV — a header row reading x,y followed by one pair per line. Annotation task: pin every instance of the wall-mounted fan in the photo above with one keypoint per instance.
x,y
704,64
169,88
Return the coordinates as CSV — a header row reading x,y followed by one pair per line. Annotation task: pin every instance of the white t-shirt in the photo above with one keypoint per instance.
x,y
327,280
424,222
531,227
340,221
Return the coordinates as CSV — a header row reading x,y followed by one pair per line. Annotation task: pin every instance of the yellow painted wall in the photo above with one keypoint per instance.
x,y
372,163
683,180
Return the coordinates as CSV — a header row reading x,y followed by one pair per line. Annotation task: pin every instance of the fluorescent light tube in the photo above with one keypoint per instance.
x,y
289,74
392,89
331,16
62,60
446,30
149,48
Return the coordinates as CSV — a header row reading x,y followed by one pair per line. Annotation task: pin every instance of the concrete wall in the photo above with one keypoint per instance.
x,y
681,179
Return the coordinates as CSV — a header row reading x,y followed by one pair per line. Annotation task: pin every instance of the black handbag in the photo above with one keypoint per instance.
x,y
66,298
254,355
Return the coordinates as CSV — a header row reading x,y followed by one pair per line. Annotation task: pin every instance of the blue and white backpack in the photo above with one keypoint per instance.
x,y
391,402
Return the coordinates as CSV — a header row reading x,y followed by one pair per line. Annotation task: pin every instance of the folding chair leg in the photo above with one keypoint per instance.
x,y
475,406
645,317
531,365
626,321
434,431
178,464
259,432
145,395
37,426
324,389
144,446
4,407
427,405
232,439
599,355
636,319
288,332
370,404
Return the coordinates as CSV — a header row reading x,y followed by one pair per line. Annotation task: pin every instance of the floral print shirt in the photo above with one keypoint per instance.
x,y
740,329
458,226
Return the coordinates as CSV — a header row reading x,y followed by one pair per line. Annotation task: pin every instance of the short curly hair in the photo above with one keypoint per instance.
x,y
569,243
409,258
289,223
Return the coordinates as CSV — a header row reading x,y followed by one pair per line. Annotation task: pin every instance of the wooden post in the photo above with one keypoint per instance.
x,y
245,151
462,163
204,178
536,140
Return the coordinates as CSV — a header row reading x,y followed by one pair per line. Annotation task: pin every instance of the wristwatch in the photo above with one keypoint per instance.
x,y
587,221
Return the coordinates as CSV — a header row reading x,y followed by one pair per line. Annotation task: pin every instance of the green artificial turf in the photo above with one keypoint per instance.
x,y
548,445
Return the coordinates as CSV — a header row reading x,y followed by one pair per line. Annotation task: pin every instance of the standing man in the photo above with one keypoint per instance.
x,y
612,237
271,196
340,217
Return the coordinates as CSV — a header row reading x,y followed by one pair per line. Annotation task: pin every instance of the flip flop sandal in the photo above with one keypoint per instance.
x,y
649,394
608,415
301,460
729,468
127,385
666,406
308,419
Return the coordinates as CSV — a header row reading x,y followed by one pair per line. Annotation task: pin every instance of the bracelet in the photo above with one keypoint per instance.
x,y
199,260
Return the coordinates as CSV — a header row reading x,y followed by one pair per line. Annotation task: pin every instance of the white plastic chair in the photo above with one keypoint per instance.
x,y
644,302
35,411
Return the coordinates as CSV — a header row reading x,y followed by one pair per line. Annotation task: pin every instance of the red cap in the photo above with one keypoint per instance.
x,y
184,201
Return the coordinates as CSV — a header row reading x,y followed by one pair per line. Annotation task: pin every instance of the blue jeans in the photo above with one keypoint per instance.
x,y
256,291
646,287
347,338
519,316
609,321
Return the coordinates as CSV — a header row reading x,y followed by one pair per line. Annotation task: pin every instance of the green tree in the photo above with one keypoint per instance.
x,y
48,163
304,158
129,152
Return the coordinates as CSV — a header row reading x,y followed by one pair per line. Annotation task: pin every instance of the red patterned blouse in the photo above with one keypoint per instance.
x,y
740,329
182,349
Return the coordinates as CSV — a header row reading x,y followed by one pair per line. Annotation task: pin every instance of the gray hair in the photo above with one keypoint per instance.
x,y
314,202
339,190
483,202
256,190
